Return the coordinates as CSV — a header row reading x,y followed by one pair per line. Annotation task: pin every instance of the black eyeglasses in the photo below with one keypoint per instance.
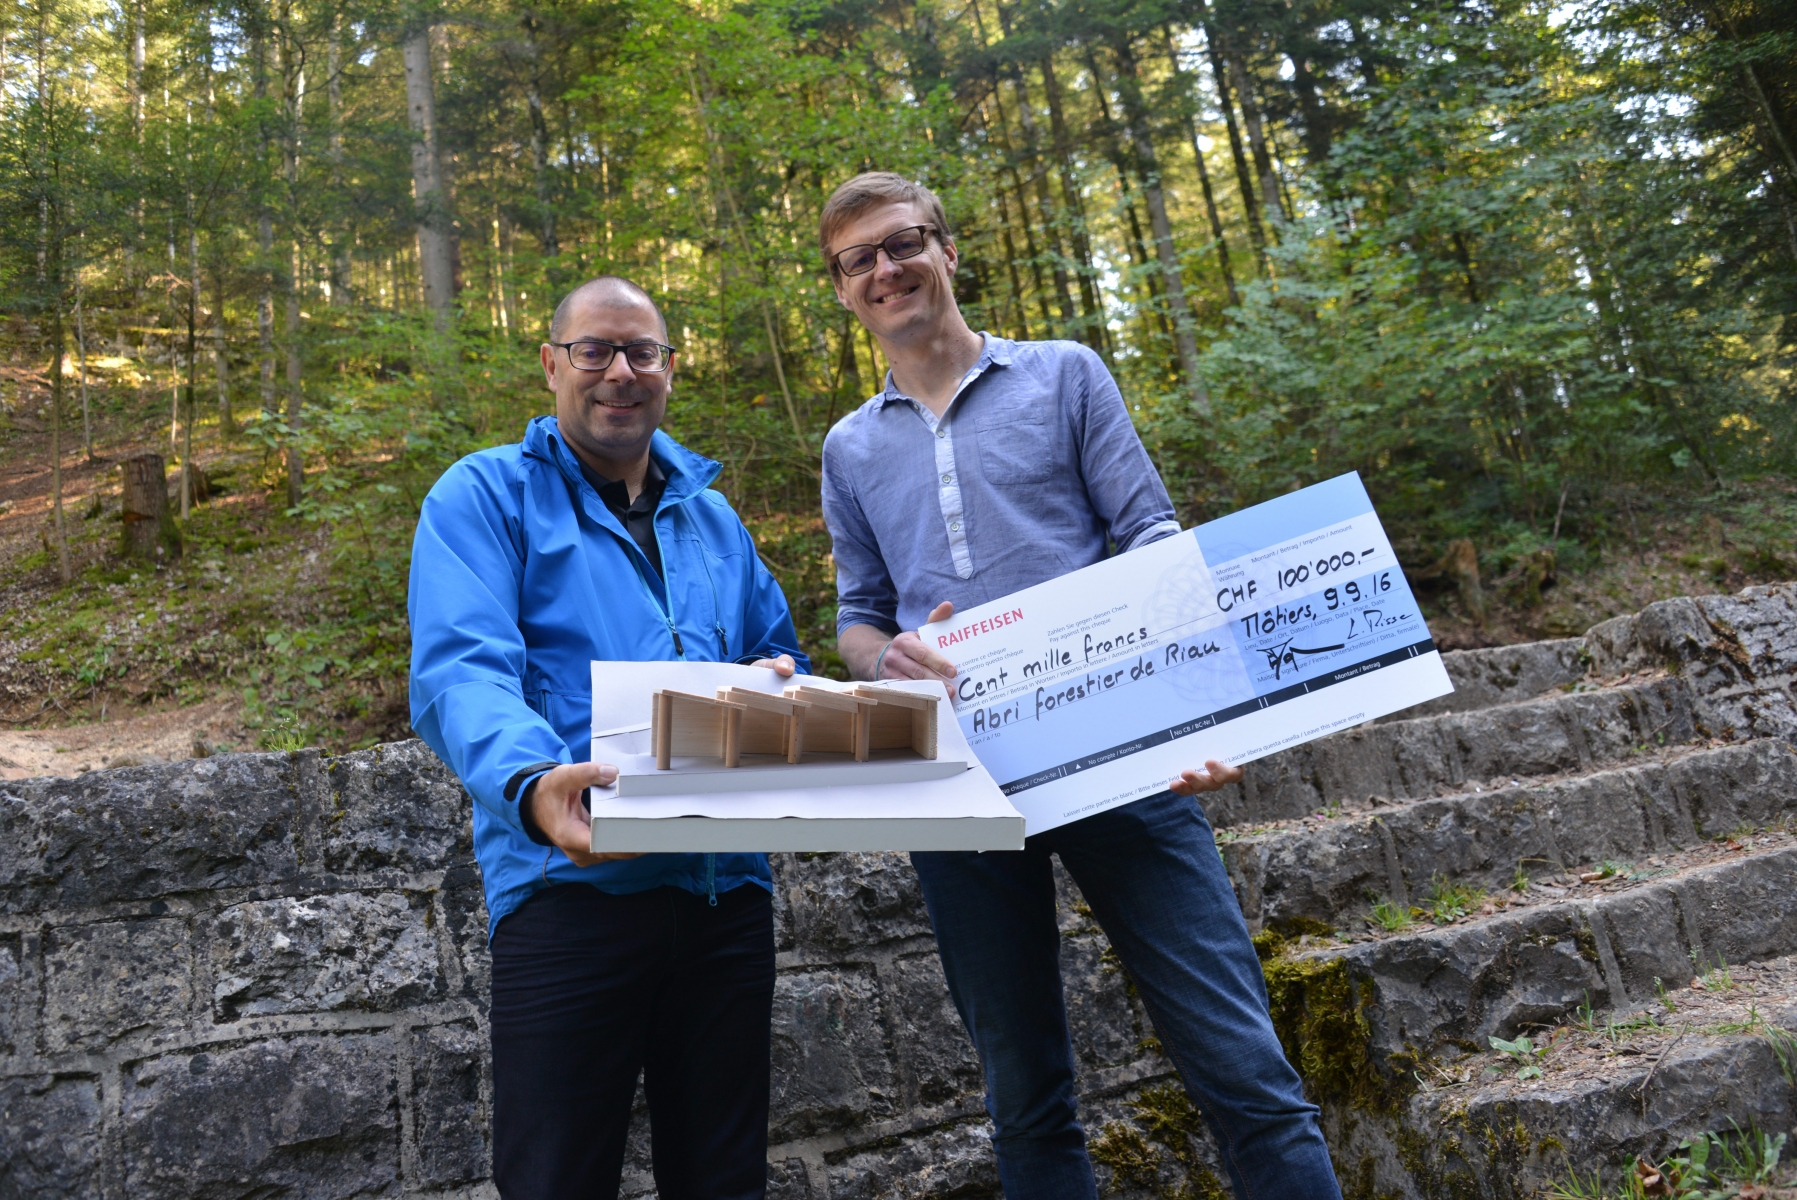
x,y
590,354
906,243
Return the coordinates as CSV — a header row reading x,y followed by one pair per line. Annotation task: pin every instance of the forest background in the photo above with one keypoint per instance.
x,y
1529,267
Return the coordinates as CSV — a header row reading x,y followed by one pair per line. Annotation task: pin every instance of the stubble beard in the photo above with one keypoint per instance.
x,y
600,433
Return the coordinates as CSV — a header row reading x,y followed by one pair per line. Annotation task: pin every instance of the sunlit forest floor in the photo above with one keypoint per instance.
x,y
262,634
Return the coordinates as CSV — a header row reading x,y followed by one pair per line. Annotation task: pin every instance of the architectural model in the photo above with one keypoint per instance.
x,y
805,720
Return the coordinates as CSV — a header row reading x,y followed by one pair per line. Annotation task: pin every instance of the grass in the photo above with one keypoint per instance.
x,y
1717,978
1710,1165
1447,902
1784,1049
1393,917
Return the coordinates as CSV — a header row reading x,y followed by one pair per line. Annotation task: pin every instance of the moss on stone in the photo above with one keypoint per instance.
x,y
1320,1016
1138,1154
1132,1161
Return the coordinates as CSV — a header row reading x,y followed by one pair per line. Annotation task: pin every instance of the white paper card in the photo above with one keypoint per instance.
x,y
828,804
1254,633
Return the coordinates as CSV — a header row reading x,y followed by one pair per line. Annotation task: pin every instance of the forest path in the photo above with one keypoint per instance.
x,y
192,731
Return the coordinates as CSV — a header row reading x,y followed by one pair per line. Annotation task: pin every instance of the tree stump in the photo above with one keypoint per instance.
x,y
149,528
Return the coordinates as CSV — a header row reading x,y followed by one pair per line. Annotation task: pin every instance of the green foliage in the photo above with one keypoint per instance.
x,y
1521,267
1524,1052
1447,902
1393,917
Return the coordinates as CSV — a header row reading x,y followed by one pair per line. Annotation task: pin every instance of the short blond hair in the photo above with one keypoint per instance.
x,y
870,189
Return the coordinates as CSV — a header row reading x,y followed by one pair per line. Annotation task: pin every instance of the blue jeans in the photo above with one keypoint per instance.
x,y
1151,873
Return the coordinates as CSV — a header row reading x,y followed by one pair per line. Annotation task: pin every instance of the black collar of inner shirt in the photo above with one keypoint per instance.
x,y
616,493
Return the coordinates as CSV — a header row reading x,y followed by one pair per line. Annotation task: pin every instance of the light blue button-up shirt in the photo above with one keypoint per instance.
x,y
1034,470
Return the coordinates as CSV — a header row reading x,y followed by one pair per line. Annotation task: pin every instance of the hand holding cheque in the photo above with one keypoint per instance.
x,y
908,657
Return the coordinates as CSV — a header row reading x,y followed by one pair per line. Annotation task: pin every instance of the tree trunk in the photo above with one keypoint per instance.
x,y
1257,139
149,533
1210,195
340,268
220,360
539,141
294,94
134,83
1091,304
1038,173
1318,134
56,361
436,257
1185,332
296,467
1244,179
193,360
1114,152
87,426
1020,315
265,226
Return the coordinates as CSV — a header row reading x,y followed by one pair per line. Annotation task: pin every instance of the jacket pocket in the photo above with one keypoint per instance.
x,y
1016,449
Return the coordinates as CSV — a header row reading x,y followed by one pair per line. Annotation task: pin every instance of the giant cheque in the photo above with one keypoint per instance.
x,y
1251,634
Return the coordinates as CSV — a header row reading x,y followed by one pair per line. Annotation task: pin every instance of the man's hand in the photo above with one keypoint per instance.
x,y
556,808
871,655
1214,776
783,666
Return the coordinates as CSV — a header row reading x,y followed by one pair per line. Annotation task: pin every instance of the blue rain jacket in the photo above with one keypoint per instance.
x,y
520,578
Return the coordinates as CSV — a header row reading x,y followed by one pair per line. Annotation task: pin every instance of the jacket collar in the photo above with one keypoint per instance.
x,y
997,352
687,473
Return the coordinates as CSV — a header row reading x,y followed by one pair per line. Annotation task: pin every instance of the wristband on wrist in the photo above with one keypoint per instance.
x,y
882,658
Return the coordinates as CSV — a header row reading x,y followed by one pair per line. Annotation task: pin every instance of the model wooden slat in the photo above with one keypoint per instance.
x,y
837,721
902,720
686,725
771,724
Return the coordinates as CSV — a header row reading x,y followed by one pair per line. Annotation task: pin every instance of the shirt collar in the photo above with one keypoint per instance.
x,y
616,493
995,353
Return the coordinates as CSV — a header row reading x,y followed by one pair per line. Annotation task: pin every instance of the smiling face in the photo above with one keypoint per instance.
x,y
608,416
898,301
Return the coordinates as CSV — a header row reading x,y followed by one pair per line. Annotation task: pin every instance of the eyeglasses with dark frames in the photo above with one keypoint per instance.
x,y
591,354
906,243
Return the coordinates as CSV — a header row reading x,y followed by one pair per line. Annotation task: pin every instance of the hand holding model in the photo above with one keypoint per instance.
x,y
555,802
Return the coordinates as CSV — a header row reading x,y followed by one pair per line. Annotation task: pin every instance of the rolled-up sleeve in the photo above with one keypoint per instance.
x,y
865,594
1125,489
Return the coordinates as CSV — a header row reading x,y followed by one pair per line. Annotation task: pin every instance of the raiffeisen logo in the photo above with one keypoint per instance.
x,y
978,627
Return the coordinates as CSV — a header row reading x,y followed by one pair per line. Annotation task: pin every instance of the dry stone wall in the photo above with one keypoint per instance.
x,y
266,974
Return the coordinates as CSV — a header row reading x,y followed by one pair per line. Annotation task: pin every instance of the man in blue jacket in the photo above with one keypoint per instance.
x,y
597,538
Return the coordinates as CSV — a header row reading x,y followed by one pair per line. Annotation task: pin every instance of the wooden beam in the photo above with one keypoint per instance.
x,y
902,720
687,725
838,721
771,724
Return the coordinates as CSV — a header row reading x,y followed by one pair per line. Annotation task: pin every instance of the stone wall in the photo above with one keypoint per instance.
x,y
265,974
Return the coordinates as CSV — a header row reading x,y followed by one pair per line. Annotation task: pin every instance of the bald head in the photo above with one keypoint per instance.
x,y
606,290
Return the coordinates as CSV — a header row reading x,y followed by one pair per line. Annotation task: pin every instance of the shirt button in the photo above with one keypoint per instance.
x,y
954,527
941,432
948,479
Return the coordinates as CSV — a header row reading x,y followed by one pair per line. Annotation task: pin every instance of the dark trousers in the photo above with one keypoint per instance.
x,y
1151,873
590,988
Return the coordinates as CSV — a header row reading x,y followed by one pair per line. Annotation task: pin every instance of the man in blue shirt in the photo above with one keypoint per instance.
x,y
986,466
596,538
